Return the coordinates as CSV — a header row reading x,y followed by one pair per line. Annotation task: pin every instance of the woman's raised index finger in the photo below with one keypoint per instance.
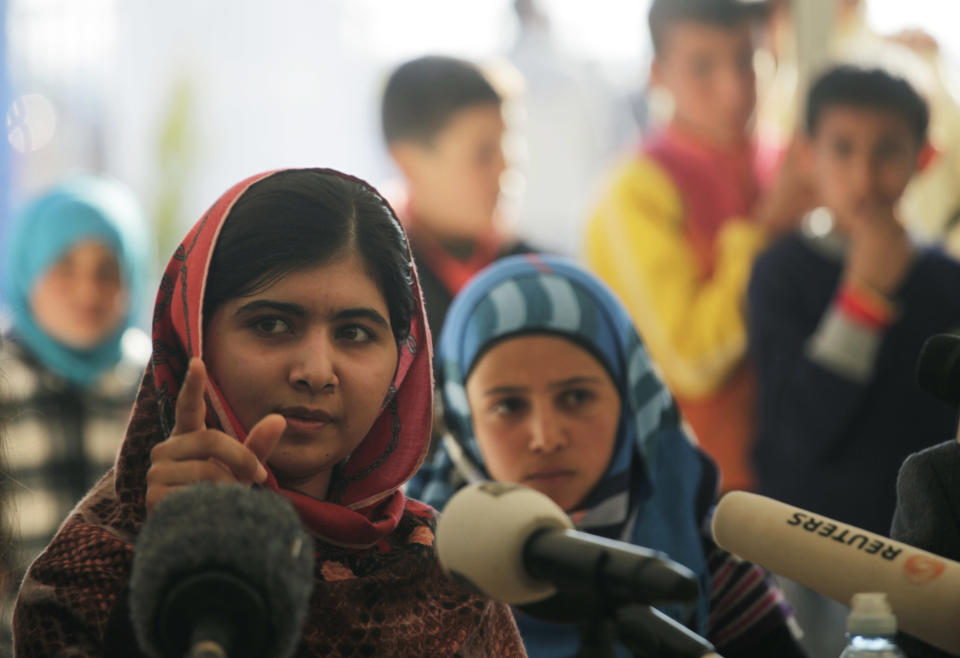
x,y
191,410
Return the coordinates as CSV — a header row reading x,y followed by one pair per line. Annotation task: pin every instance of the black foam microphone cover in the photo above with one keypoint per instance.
x,y
938,367
225,567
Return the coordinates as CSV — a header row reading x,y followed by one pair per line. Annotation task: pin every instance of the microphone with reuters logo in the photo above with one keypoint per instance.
x,y
839,560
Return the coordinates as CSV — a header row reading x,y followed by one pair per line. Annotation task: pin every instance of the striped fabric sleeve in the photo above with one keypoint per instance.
x,y
745,604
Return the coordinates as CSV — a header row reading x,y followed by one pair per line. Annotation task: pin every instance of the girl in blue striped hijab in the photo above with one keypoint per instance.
x,y
545,382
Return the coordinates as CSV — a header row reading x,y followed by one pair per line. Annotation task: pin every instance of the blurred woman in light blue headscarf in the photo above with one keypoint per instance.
x,y
72,271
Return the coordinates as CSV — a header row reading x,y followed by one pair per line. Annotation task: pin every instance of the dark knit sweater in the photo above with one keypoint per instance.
x,y
830,442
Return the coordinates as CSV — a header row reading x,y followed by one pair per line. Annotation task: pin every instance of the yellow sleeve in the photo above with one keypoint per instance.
x,y
694,327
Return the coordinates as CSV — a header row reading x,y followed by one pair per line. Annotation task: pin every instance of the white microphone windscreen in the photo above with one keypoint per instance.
x,y
481,536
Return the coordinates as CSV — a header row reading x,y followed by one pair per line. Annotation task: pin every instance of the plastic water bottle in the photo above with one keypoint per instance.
x,y
871,627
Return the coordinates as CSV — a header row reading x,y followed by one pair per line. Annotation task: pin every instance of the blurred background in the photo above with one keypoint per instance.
x,y
182,98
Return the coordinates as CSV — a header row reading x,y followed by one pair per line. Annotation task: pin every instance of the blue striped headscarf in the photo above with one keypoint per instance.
x,y
84,207
658,487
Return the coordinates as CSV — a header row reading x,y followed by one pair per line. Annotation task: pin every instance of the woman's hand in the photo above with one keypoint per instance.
x,y
194,453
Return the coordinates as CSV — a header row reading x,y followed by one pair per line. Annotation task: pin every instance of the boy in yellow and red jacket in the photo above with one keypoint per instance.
x,y
679,227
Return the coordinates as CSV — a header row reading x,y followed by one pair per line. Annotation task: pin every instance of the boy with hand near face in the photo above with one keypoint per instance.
x,y
838,314
443,126
840,310
677,231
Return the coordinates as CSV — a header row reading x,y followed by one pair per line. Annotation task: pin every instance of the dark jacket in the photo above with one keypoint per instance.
x,y
830,442
928,515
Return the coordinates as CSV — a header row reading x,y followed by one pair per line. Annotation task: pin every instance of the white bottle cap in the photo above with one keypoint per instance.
x,y
870,614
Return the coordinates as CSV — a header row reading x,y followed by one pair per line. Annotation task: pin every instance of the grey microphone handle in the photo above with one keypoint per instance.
x,y
211,638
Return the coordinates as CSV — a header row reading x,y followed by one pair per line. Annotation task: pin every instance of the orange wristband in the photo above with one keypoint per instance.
x,y
865,306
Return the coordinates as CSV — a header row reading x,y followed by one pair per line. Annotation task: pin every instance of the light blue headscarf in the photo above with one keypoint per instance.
x,y
657,489
82,208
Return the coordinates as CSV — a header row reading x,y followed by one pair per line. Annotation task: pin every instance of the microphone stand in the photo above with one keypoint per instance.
x,y
598,638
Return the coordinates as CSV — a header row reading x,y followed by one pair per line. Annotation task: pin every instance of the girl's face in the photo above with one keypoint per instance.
x,y
81,299
545,414
316,346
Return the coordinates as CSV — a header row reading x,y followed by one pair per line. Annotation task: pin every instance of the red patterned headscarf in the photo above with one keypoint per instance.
x,y
368,501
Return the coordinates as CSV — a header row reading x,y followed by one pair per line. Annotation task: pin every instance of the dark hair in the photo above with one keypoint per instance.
x,y
305,217
716,13
422,94
873,89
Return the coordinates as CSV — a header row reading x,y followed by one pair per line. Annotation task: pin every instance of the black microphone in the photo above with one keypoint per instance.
x,y
649,632
514,544
644,630
938,368
623,572
221,571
